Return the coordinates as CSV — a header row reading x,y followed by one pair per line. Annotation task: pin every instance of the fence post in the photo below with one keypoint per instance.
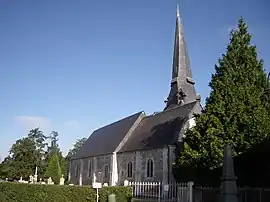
x,y
190,191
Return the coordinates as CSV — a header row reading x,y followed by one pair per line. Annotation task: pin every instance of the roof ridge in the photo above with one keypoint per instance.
x,y
173,108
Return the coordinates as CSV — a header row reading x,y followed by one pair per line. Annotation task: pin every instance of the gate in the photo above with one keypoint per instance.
x,y
160,192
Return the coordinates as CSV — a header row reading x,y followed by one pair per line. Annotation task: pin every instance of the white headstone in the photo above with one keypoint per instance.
x,y
35,178
31,179
126,183
50,181
105,185
62,180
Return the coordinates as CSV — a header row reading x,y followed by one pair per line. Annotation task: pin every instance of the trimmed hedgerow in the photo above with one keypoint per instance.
x,y
17,192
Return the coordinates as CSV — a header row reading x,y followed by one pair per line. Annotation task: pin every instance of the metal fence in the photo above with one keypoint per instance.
x,y
157,191
205,194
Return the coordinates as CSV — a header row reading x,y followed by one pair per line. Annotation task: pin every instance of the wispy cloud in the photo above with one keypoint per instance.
x,y
30,122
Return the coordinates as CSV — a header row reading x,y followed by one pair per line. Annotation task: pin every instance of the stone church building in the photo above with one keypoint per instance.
x,y
140,147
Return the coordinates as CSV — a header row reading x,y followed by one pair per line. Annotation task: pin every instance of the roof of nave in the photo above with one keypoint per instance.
x,y
146,132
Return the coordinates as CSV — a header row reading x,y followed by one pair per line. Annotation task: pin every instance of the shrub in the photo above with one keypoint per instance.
x,y
17,192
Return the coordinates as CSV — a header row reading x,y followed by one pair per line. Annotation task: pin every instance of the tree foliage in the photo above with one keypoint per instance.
x,y
22,159
65,161
237,110
39,150
54,169
52,149
79,143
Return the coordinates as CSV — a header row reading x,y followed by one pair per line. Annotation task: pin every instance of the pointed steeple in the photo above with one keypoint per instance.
x,y
182,85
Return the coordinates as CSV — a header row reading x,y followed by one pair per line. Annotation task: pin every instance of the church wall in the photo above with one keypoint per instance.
x,y
157,156
139,165
101,162
122,161
97,165
74,179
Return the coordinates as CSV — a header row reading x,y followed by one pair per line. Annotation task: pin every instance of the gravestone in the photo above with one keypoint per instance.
x,y
50,181
126,183
31,179
62,180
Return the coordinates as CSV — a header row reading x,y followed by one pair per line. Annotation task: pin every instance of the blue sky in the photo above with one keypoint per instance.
x,y
74,66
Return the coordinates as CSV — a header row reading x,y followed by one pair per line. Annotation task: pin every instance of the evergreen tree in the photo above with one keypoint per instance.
x,y
53,148
237,110
54,169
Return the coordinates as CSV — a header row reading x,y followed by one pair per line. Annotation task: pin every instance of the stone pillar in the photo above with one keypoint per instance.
x,y
171,160
228,191
94,170
69,171
138,168
81,172
165,165
114,173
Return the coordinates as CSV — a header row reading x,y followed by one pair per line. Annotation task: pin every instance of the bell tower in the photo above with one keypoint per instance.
x,y
182,85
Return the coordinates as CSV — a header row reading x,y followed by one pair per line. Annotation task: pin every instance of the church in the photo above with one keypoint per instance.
x,y
140,147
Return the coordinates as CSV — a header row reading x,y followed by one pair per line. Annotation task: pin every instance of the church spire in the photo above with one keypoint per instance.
x,y
182,85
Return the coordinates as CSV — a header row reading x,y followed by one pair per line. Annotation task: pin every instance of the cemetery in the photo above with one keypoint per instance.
x,y
39,190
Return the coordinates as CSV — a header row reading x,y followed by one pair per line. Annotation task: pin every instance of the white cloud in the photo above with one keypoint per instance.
x,y
31,122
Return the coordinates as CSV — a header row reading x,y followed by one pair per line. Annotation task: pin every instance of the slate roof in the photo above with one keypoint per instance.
x,y
155,131
106,139
159,130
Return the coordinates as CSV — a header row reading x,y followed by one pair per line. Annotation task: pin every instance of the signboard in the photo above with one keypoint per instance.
x,y
166,187
97,185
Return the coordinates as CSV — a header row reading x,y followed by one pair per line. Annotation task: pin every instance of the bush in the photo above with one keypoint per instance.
x,y
17,192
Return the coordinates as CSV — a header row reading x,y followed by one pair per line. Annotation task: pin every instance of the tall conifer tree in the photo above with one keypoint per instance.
x,y
237,110
54,169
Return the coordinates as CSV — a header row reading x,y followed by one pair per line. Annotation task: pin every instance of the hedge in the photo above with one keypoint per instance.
x,y
18,192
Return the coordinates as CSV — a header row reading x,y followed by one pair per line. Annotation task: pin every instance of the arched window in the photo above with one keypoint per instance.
x,y
106,171
129,169
150,168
